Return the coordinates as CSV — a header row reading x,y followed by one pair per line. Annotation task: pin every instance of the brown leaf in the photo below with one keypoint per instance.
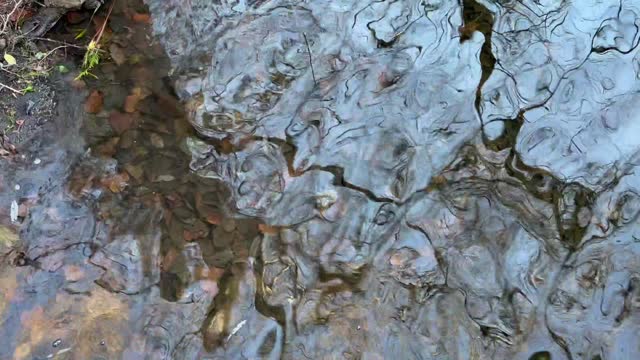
x,y
157,141
21,15
214,218
121,122
94,102
116,183
136,171
267,229
191,235
109,147
131,102
188,235
169,259
142,18
226,146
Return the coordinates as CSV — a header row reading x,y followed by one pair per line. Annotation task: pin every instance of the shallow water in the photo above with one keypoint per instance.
x,y
409,179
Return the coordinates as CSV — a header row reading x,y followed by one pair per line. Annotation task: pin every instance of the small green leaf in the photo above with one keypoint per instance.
x,y
81,34
9,59
28,89
62,69
40,55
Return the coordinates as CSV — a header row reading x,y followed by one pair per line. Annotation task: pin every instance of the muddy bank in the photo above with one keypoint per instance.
x,y
96,204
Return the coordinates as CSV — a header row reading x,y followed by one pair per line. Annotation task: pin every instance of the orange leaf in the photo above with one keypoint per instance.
x,y
142,18
120,122
94,102
214,218
267,229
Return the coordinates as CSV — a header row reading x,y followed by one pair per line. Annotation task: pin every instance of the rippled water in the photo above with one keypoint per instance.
x,y
409,179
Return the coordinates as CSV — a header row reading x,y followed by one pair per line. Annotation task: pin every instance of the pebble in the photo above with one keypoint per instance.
x,y
228,225
156,141
165,178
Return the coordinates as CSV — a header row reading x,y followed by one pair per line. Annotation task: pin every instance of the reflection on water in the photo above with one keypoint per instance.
x,y
410,179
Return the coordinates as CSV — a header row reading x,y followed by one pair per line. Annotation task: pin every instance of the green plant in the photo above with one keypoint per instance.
x,y
92,55
91,60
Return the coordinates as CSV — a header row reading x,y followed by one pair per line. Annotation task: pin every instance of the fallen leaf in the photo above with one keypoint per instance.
x,y
94,102
214,218
62,69
121,122
116,183
21,15
267,229
9,59
117,54
75,17
142,18
169,259
188,236
109,147
226,146
136,171
156,141
130,103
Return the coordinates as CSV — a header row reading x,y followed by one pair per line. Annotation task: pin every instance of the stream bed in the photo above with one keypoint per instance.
x,y
334,180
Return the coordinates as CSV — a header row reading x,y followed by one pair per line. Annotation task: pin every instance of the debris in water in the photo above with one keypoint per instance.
x,y
13,212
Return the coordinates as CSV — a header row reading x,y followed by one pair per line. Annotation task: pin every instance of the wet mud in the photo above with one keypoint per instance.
x,y
336,180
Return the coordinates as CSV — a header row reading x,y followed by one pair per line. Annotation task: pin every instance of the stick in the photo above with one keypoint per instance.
x,y
313,73
8,16
10,88
66,44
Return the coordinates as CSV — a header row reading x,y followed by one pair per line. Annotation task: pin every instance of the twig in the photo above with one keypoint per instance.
x,y
7,17
10,88
66,44
52,51
313,73
104,24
